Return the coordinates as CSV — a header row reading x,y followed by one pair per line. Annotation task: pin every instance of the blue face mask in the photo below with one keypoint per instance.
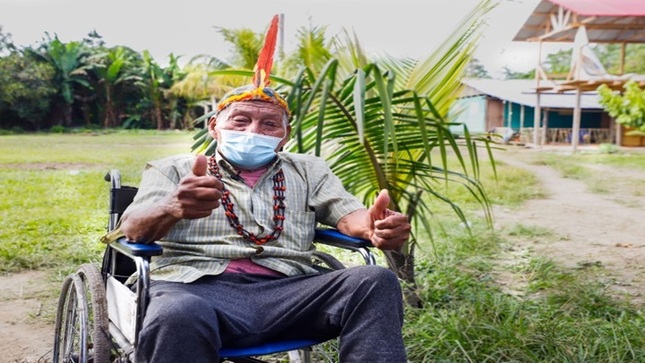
x,y
247,150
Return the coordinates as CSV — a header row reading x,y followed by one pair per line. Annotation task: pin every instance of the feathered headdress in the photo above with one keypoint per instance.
x,y
259,90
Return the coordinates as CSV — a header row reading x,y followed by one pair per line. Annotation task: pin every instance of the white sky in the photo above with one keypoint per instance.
x,y
187,28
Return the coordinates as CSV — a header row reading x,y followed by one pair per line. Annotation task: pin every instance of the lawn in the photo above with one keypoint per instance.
x,y
53,197
53,205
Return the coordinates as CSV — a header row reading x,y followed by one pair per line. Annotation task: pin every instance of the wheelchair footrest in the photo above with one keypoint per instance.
x,y
267,348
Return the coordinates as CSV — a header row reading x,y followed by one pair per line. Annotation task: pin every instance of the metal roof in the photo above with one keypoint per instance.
x,y
522,91
607,21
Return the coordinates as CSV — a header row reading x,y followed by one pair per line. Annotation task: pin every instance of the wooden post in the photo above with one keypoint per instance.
x,y
575,133
536,119
536,115
545,126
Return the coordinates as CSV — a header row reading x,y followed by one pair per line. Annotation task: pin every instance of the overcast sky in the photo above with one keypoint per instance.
x,y
187,28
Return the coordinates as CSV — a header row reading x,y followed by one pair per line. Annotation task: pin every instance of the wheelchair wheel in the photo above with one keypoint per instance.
x,y
326,260
81,332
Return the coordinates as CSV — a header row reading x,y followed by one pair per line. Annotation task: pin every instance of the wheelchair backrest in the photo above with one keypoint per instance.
x,y
120,198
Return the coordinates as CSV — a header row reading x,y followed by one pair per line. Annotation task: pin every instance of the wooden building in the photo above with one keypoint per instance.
x,y
487,104
583,22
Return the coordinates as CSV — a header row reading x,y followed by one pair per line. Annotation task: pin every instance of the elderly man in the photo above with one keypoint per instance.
x,y
237,231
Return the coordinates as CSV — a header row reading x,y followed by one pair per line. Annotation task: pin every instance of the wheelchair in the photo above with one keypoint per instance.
x,y
99,317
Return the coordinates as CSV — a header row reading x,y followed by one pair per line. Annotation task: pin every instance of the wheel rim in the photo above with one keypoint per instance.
x,y
80,320
75,334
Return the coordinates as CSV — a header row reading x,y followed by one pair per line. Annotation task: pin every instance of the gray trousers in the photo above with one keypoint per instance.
x,y
191,322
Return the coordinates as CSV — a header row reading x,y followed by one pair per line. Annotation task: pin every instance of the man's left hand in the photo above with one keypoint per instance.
x,y
388,229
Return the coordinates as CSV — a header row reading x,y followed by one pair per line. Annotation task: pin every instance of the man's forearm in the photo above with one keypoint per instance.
x,y
148,224
355,224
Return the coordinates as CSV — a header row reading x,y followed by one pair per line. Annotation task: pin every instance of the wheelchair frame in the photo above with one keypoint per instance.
x,y
99,318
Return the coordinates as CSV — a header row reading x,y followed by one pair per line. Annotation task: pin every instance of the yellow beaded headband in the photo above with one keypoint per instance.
x,y
259,90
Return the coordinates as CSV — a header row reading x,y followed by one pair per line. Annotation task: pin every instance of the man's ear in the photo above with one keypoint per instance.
x,y
284,141
212,122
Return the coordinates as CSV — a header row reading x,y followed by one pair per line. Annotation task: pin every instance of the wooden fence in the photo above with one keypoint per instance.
x,y
586,136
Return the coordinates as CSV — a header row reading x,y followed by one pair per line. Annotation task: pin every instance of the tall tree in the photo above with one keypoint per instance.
x,y
70,63
6,43
313,51
246,46
26,92
558,64
476,69
610,56
154,83
116,71
202,72
199,88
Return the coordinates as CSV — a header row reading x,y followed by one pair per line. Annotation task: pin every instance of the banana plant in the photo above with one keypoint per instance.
x,y
71,66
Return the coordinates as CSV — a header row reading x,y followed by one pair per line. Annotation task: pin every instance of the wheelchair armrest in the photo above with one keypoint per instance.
x,y
133,249
327,236
334,237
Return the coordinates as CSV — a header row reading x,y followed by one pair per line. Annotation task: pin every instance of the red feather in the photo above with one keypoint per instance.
x,y
265,59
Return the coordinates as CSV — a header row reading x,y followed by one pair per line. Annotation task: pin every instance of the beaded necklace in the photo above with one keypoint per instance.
x,y
278,206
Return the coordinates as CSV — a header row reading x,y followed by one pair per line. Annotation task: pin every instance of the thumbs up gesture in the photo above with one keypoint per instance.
x,y
200,166
197,194
388,229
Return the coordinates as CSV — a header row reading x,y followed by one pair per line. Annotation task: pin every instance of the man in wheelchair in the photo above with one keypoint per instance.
x,y
236,231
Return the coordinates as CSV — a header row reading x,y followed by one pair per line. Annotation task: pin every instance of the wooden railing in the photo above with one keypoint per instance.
x,y
587,136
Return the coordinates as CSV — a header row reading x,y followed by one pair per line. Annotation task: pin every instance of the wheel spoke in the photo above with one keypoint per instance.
x,y
81,334
70,325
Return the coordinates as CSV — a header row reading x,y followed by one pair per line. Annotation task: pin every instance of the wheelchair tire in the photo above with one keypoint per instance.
x,y
326,260
81,332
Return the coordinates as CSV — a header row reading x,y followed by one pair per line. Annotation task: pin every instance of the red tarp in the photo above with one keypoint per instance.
x,y
604,7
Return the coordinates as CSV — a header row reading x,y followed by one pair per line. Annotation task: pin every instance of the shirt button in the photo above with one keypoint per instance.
x,y
259,250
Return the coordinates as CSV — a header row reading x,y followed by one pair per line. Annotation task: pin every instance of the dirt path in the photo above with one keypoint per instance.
x,y
598,230
26,308
601,230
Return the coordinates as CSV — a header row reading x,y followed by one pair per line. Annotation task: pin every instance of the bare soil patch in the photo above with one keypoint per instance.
x,y
26,317
51,166
602,231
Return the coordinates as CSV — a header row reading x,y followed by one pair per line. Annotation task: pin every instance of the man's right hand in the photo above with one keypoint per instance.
x,y
197,194
195,197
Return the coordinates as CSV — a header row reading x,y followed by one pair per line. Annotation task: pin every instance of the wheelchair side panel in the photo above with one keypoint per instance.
x,y
122,308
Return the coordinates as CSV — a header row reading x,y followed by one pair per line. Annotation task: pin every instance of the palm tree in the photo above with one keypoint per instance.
x,y
379,123
313,51
203,85
199,88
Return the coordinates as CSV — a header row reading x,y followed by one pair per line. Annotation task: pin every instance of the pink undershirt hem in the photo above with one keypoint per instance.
x,y
245,265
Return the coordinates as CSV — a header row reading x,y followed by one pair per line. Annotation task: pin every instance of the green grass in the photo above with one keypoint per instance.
x,y
53,199
549,315
484,301
592,168
487,301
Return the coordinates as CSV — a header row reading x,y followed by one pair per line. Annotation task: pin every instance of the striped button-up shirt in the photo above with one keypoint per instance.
x,y
197,247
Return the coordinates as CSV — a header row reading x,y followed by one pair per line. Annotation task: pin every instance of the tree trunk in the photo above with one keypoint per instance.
x,y
67,114
403,265
402,262
108,120
157,113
